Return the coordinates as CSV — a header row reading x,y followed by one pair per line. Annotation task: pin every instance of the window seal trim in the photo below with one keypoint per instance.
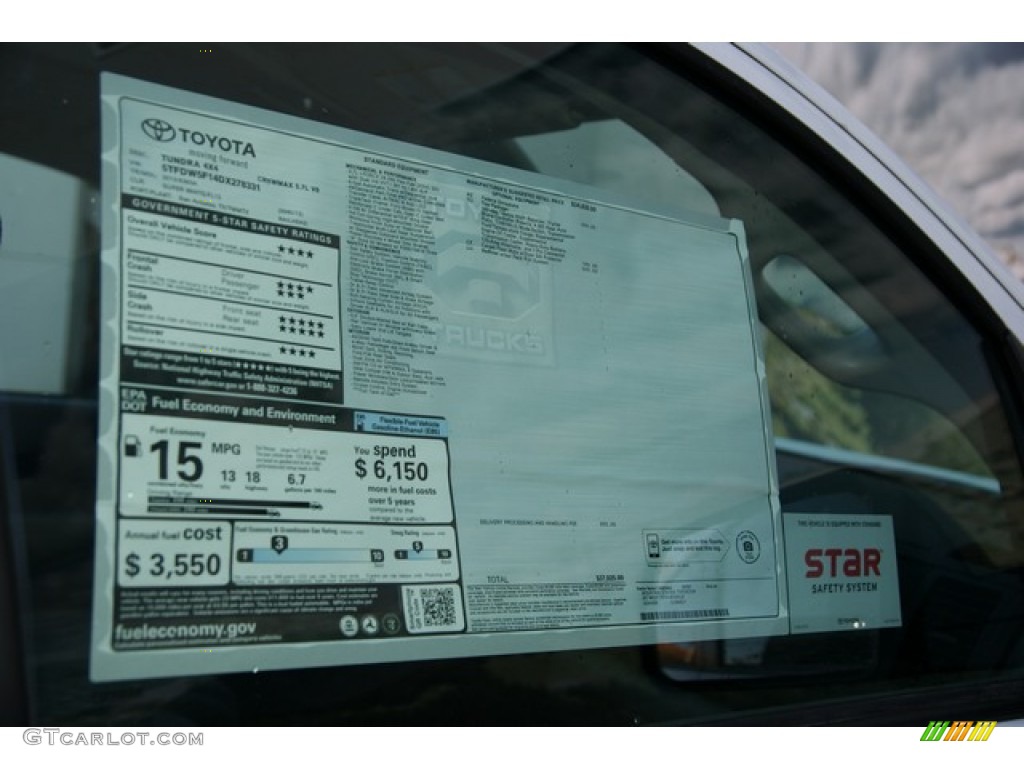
x,y
886,465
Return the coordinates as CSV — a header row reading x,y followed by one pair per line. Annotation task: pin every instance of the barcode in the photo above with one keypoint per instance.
x,y
701,613
438,606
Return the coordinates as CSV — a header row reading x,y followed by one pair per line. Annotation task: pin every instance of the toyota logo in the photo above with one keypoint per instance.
x,y
158,129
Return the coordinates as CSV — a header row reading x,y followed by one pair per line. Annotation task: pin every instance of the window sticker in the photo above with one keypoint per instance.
x,y
842,573
365,401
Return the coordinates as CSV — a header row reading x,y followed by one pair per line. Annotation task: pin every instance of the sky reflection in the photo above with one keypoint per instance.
x,y
953,111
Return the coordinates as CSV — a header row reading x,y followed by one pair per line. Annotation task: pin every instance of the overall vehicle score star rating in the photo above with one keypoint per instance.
x,y
291,251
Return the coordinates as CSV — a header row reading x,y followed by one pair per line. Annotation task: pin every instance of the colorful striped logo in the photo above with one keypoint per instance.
x,y
958,730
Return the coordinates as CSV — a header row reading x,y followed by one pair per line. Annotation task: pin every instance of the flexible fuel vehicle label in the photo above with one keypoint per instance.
x,y
367,401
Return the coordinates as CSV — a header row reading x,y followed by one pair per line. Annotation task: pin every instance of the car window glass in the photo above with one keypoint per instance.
x,y
896,406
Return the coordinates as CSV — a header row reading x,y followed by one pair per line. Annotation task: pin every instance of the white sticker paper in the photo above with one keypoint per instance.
x,y
842,573
366,401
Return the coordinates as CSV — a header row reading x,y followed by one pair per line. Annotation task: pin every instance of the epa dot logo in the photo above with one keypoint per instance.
x,y
133,400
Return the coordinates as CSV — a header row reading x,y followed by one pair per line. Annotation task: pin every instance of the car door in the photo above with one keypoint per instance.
x,y
522,384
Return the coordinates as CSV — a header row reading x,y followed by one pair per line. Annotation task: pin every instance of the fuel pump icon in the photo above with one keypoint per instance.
x,y
132,446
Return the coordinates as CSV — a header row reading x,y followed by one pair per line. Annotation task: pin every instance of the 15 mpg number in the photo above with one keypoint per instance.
x,y
189,465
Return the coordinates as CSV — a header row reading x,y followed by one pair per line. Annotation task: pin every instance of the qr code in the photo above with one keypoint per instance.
x,y
438,606
433,608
